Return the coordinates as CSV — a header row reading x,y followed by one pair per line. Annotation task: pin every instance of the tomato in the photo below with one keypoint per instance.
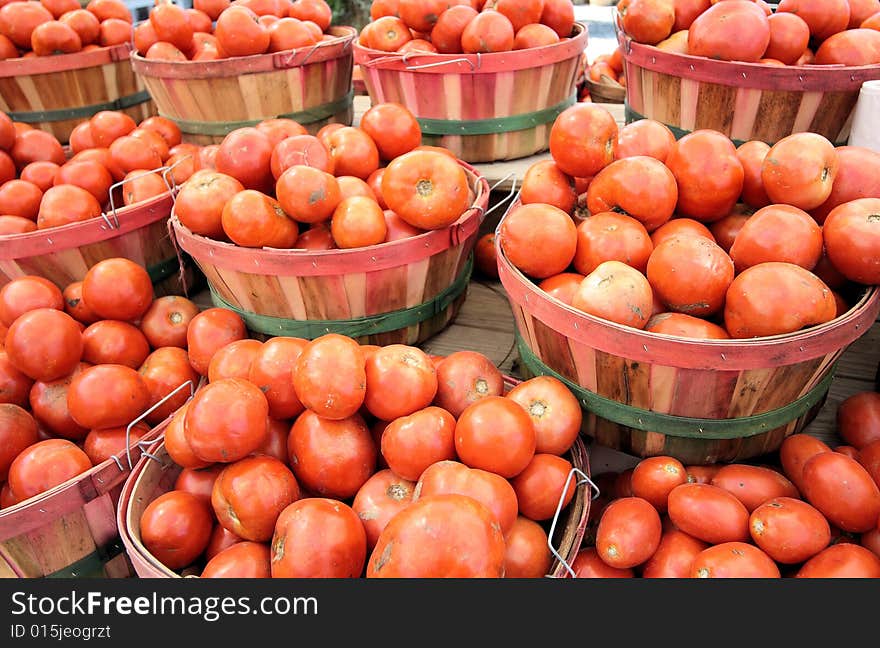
x,y
543,251
316,11
871,541
555,413
163,126
221,539
588,564
869,458
176,444
609,236
310,194
680,227
330,376
735,30
380,498
289,33
789,530
233,360
799,170
16,225
446,32
842,490
118,288
562,286
686,11
640,186
539,487
824,18
856,178
14,385
407,373
208,332
28,293
107,9
239,560
629,532
45,344
412,443
200,201
497,435
616,292
114,342
240,33
465,377
653,479
447,535
393,128
90,175
252,219
701,474
842,561
544,182
199,481
850,47
20,198
427,189
682,325
774,297
251,493
674,556
789,37
175,528
358,221
44,465
318,538
708,513
583,139
353,152
753,485
165,371
851,234
485,257
18,431
36,146
795,451
526,550
166,321
778,233
733,560
107,395
271,370
42,174
647,21
245,154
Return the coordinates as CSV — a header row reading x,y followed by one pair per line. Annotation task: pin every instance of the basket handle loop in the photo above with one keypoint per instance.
x,y
423,66
282,60
509,198
172,185
150,410
583,479
115,224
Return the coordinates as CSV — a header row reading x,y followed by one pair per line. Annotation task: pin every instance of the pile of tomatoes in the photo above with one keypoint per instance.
x,y
218,29
327,458
815,514
697,237
29,28
799,32
469,26
263,186
78,366
41,188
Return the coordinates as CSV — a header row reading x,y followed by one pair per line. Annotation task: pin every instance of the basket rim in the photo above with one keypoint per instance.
x,y
735,354
301,262
65,62
490,62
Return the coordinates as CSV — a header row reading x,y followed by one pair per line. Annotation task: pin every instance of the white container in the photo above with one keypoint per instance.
x,y
865,129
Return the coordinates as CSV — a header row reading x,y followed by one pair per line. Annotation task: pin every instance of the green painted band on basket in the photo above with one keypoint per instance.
x,y
163,269
679,426
359,327
63,114
495,124
308,116
631,115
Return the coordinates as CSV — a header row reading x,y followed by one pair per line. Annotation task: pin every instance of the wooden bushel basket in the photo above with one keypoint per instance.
x,y
155,474
701,401
55,93
70,531
208,99
482,107
400,292
137,232
745,101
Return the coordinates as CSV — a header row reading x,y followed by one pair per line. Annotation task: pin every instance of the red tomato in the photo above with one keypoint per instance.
x,y
539,487
674,556
554,410
272,371
107,395
753,485
240,560
176,444
629,532
401,380
381,497
330,376
843,491
410,444
526,554
233,360
100,445
795,451
198,482
733,560
789,530
221,538
44,344
495,434
858,419
842,561
175,528
655,477
588,564
167,371
465,377
708,513
18,431
209,331
44,465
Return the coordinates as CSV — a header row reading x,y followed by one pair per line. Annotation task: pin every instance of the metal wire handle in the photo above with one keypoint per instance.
x,y
474,68
584,479
168,169
115,225
510,197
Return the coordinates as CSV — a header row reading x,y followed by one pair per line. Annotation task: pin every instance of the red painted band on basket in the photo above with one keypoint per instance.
x,y
63,62
239,65
805,78
73,235
474,63
311,263
659,349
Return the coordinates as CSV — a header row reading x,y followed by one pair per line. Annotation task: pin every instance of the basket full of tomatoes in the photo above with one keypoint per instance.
x,y
694,304
241,64
330,476
752,73
62,62
484,79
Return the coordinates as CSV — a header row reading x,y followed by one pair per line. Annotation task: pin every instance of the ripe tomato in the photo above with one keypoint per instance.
x,y
588,564
446,32
381,497
857,177
240,33
543,251
674,556
209,331
164,371
647,21
463,378
393,128
653,479
175,528
732,31
28,293
753,485
850,47
330,376
18,431
271,370
48,403
331,457
778,233
44,465
90,175
14,385
733,560
583,139
774,297
240,560
789,530
497,435
353,152
544,182
609,236
252,219
278,130
176,444
708,513
200,201
485,257
616,292
639,186
851,236
871,541
555,413
539,487
683,325
562,286
118,288
107,395
20,198
245,154
36,146
629,532
644,137
317,537
680,227
114,342
251,493
410,444
404,371
221,539
233,360
44,344
199,481
42,174
427,189
310,194
64,204
799,170
795,451
358,221
842,490
439,536
789,37
166,321
842,561
701,474
526,552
